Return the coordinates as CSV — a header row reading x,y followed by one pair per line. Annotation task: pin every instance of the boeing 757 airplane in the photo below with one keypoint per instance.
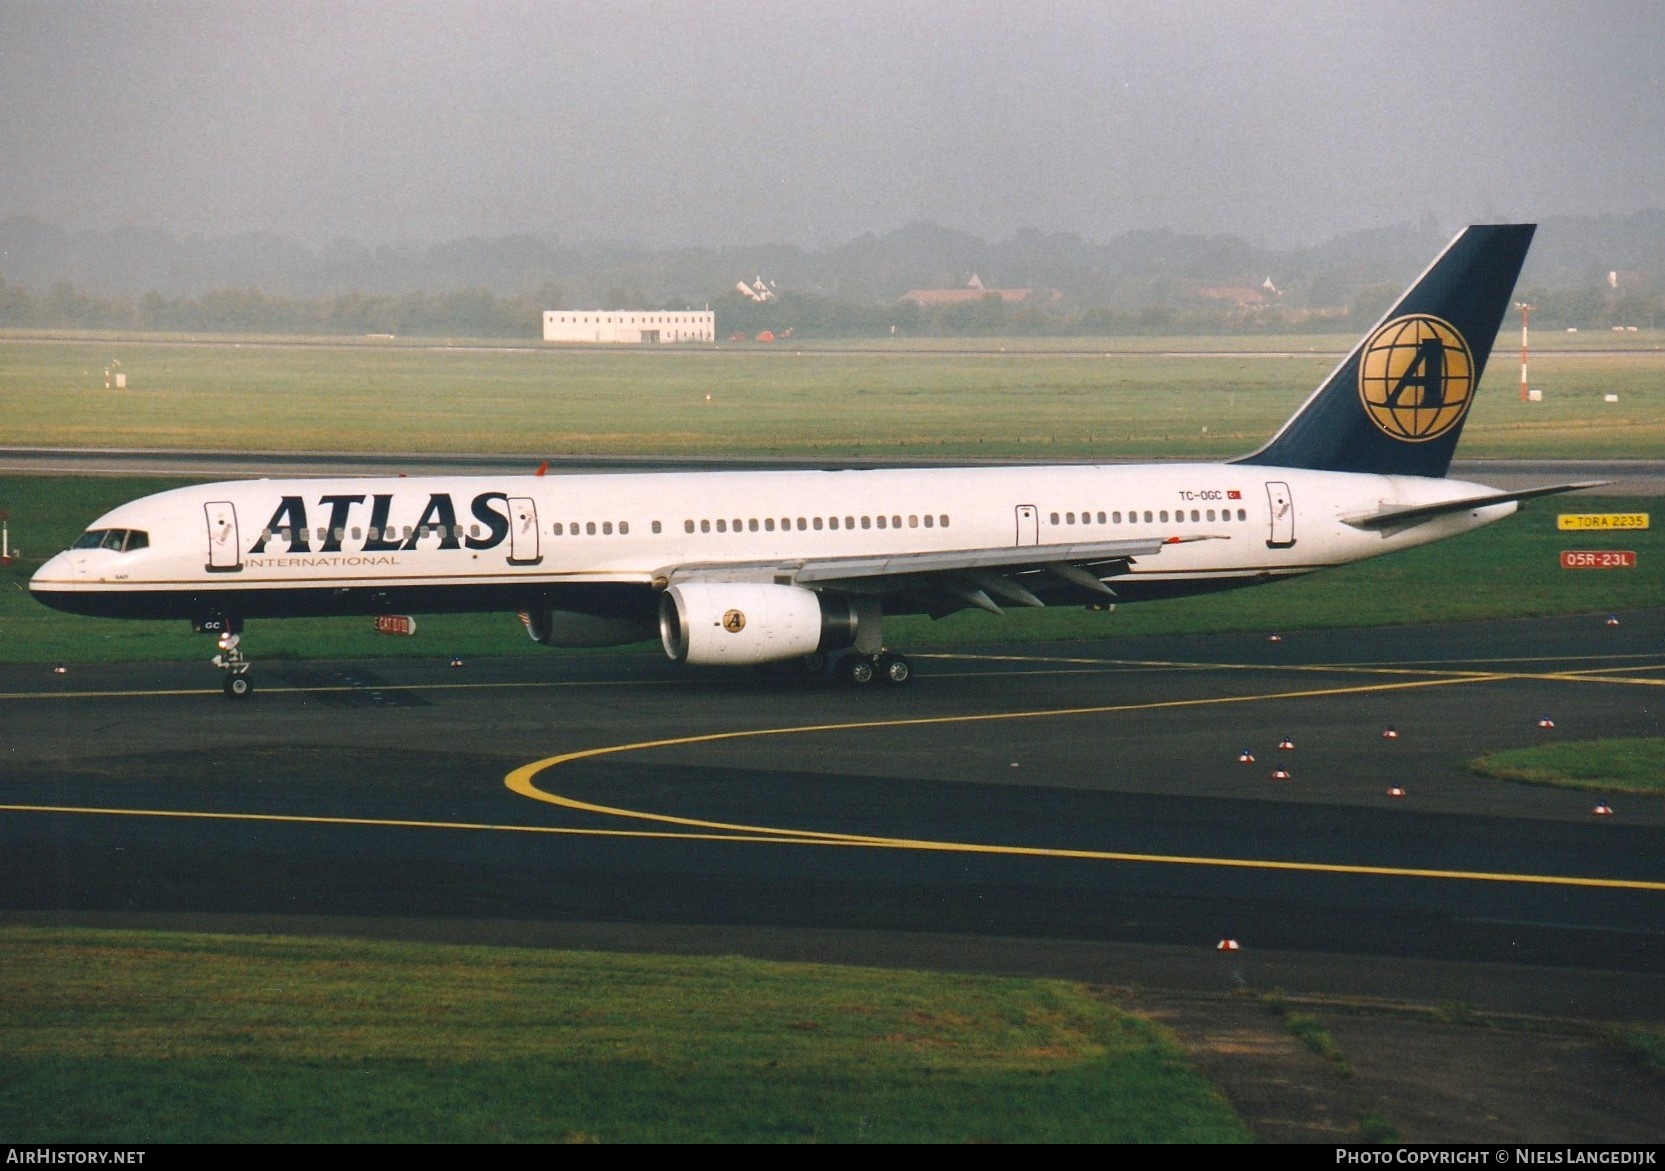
x,y
742,567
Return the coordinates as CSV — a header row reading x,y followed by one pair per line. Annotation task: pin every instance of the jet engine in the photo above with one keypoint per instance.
x,y
737,623
572,628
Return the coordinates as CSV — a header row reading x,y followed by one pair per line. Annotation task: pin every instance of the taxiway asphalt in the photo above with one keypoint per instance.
x,y
1070,809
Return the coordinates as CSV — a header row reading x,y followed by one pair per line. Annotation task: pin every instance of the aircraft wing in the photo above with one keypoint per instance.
x,y
1389,516
969,575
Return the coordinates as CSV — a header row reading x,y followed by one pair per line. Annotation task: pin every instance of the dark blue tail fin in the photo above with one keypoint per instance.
x,y
1396,405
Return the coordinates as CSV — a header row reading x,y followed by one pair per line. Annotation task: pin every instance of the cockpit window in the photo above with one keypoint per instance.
x,y
121,540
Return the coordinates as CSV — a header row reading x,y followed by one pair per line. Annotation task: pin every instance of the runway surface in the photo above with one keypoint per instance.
x,y
1070,809
1629,477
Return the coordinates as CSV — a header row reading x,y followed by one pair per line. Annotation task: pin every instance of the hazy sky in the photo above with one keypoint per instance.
x,y
752,121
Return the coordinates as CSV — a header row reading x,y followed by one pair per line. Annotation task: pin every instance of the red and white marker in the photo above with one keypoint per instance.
x,y
1227,945
1390,733
1286,744
1280,774
1274,638
1396,791
1245,757
1545,722
1612,620
1603,811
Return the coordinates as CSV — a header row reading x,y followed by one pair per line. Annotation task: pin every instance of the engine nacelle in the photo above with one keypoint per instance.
x,y
571,628
737,623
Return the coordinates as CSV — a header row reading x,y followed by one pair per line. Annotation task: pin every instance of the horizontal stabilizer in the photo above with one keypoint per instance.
x,y
1390,516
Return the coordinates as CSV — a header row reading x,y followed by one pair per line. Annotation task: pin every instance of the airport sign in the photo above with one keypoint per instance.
x,y
1598,559
1601,521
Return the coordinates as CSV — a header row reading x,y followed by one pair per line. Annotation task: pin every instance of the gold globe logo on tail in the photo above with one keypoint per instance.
x,y
1416,378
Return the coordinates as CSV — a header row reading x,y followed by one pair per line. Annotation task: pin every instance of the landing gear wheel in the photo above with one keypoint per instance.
x,y
895,670
233,661
858,670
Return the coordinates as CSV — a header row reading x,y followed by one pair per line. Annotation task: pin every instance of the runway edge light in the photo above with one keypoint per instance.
x,y
1245,757
1286,744
1280,774
1603,811
1545,722
1390,733
1227,945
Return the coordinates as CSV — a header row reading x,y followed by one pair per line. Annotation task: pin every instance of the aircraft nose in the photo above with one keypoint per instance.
x,y
62,569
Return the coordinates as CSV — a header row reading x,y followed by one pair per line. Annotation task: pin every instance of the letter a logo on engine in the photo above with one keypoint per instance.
x,y
734,621
1416,378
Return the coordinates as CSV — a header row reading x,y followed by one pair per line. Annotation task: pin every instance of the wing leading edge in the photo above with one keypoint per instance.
x,y
969,576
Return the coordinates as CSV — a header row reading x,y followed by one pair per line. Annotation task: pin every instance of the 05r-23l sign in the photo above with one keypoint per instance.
x,y
1598,559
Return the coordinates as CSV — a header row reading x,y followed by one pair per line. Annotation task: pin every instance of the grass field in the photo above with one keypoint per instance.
x,y
970,400
965,399
1509,569
1607,766
164,1038
132,1038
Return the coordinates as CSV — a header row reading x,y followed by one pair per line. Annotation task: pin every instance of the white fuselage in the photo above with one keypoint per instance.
x,y
372,545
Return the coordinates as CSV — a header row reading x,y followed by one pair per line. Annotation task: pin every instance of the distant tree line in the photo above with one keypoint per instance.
x,y
482,313
1594,308
465,312
810,316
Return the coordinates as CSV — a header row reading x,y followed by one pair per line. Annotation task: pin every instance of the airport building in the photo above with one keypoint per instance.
x,y
629,327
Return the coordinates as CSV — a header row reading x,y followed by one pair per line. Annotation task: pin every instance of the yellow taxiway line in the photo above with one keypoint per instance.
x,y
523,781
761,836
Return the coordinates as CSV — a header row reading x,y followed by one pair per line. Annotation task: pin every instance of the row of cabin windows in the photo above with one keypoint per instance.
x,y
1161,516
390,533
803,523
590,528
114,538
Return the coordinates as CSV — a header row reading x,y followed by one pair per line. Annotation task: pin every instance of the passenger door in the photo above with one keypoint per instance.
x,y
523,531
1028,525
225,550
1282,505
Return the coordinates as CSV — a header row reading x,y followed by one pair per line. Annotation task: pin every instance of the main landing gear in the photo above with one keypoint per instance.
x,y
860,670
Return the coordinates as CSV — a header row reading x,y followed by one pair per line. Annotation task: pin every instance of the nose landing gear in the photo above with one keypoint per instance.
x,y
236,665
231,660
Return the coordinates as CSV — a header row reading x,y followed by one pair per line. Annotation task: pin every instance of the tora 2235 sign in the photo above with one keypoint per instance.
x,y
1416,378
